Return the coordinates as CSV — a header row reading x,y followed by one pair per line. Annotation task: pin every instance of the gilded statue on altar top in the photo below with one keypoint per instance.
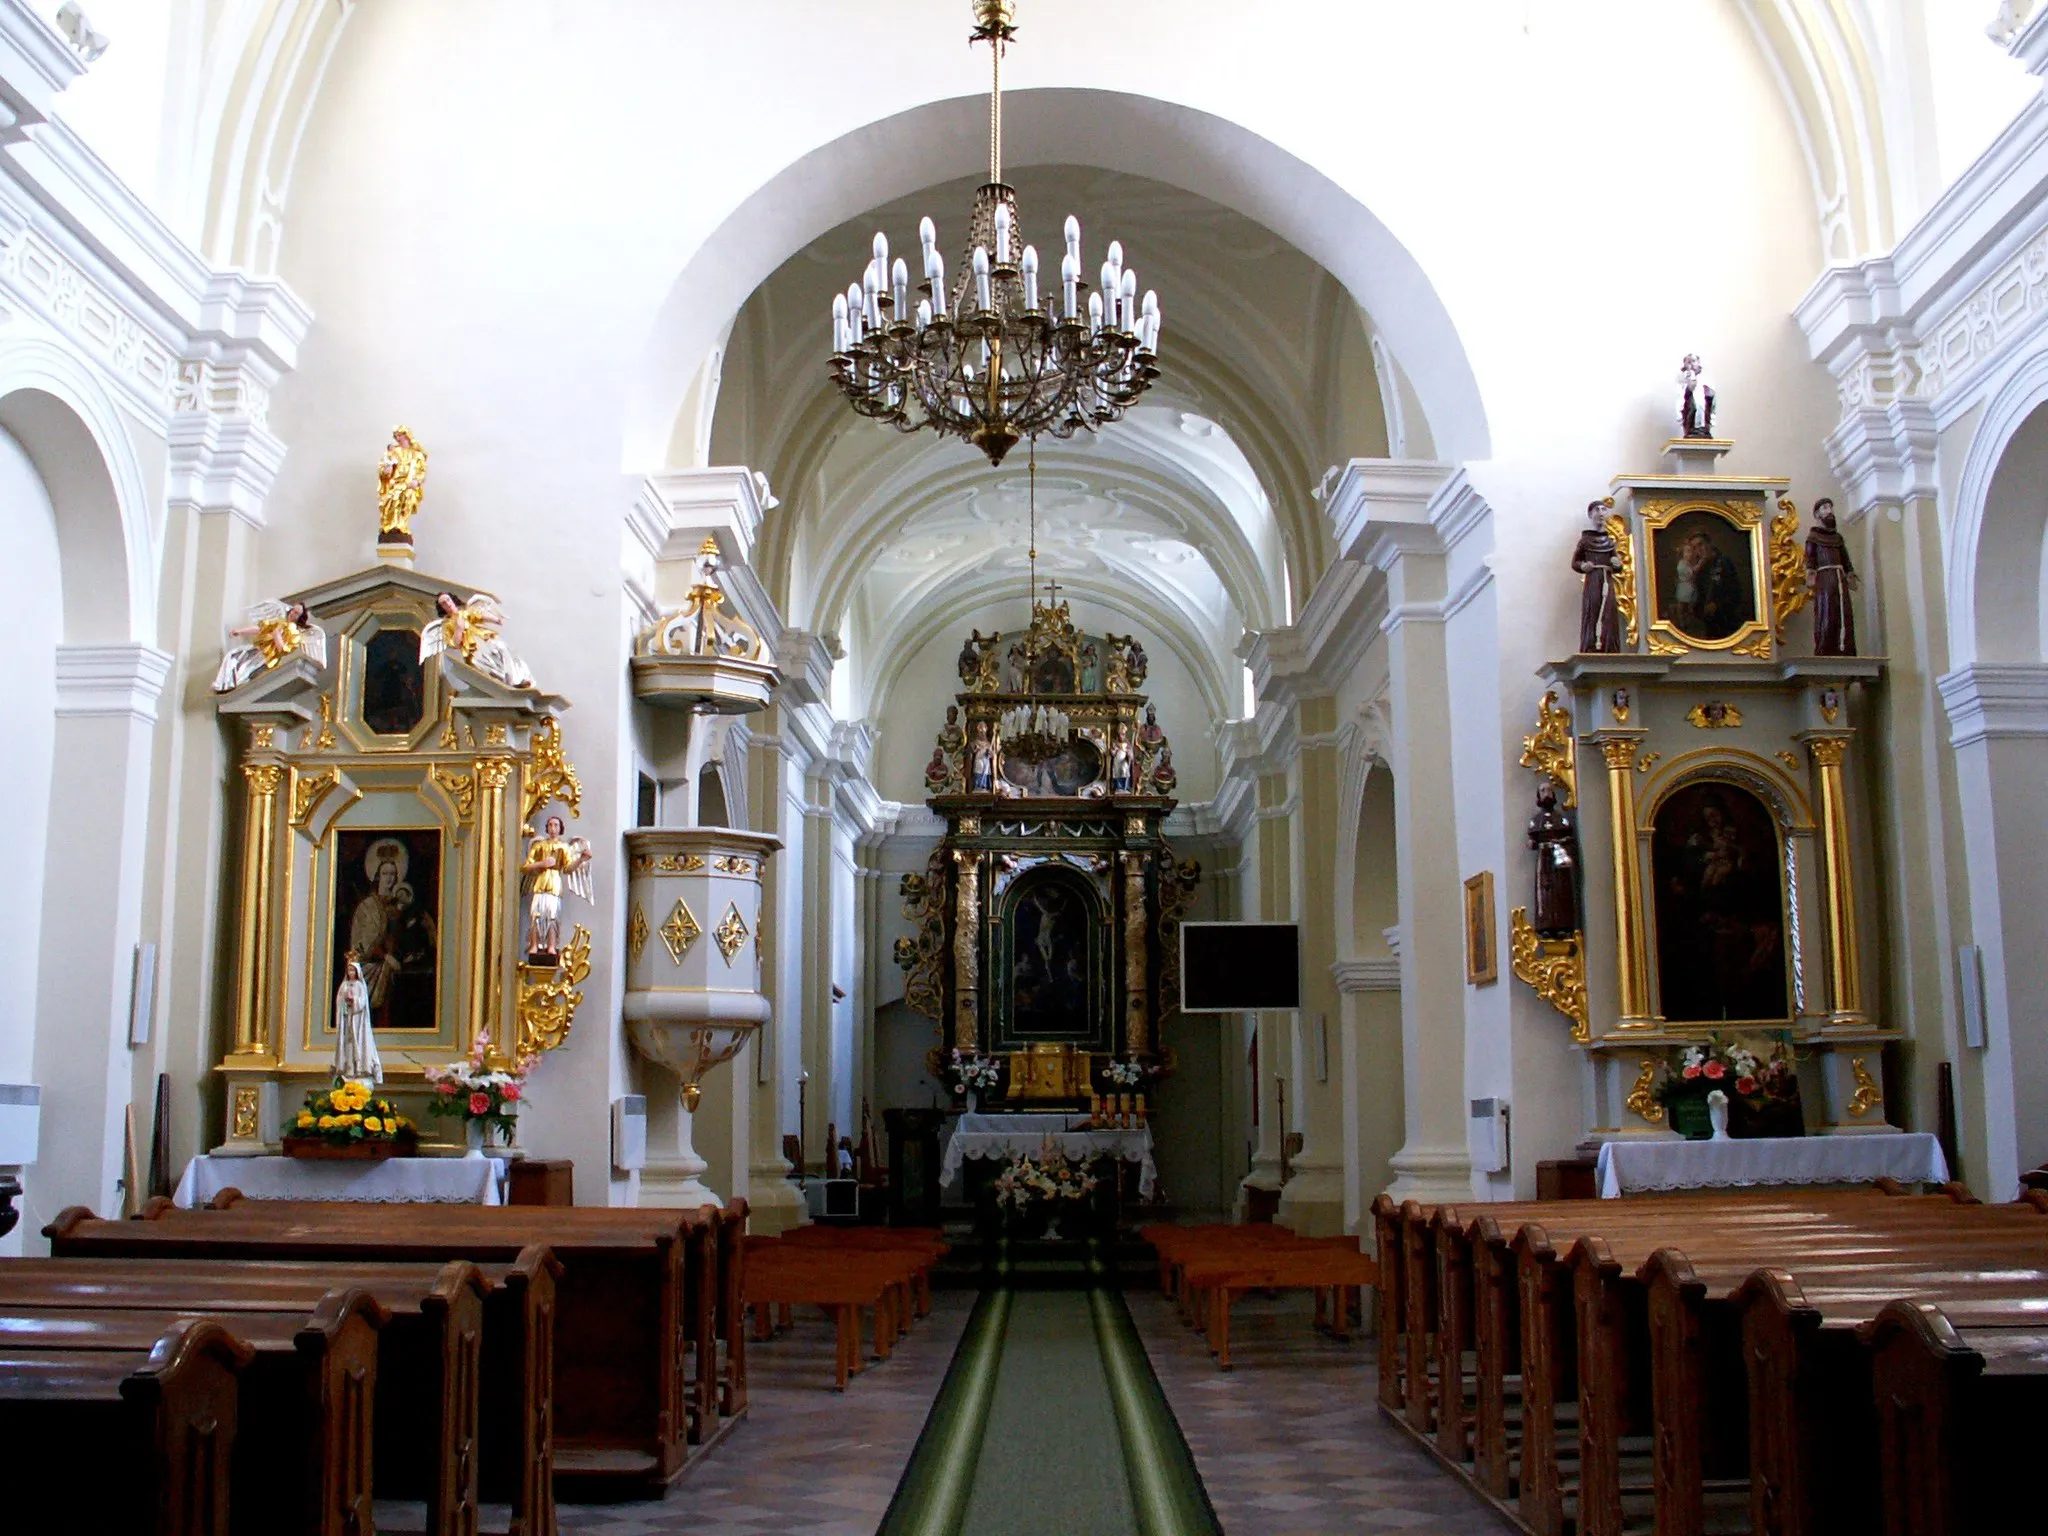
x,y
271,632
401,483
474,631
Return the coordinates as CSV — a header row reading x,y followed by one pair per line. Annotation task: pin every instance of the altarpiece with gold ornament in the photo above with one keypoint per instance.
x,y
1696,770
397,763
1046,919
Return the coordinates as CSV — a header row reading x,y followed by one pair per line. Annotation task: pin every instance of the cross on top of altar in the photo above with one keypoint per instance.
x,y
1052,592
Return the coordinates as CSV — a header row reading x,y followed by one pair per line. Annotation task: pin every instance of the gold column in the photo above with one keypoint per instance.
x,y
1845,979
966,949
263,773
1632,958
487,936
1138,1013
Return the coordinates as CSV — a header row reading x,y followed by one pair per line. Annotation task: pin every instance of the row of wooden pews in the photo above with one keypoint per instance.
x,y
316,1367
845,1271
1792,1363
1202,1267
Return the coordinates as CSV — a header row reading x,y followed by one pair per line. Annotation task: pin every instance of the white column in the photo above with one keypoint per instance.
x,y
1313,1201
1998,719
1264,867
774,1202
98,831
1371,1039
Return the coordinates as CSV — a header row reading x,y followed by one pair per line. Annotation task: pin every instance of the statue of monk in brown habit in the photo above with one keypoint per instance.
x,y
1555,909
1827,560
1598,560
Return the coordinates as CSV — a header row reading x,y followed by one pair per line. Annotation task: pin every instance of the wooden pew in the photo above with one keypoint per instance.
x,y
430,1354
302,1457
619,1406
842,1284
124,1440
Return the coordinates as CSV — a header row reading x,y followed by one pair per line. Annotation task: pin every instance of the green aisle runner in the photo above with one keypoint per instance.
x,y
1050,1423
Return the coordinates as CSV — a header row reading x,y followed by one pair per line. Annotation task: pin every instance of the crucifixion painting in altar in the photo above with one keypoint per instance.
x,y
1045,916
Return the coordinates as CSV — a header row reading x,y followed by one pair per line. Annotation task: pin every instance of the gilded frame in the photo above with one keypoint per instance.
x,y
1664,637
1482,940
392,611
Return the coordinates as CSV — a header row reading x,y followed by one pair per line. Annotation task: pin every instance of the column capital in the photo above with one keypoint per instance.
x,y
1995,701
111,680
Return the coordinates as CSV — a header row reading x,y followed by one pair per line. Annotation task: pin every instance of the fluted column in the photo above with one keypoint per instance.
x,y
487,952
1631,945
262,775
1845,961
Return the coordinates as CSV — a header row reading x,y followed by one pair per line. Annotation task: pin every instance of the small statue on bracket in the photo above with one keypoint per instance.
x,y
1122,762
272,631
1163,776
355,1043
1696,403
1827,560
981,761
938,773
1598,560
556,864
401,483
1554,909
978,660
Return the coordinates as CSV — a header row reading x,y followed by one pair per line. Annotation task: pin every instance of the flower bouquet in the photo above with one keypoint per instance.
x,y
1034,1191
1127,1075
973,1075
1758,1090
348,1121
481,1097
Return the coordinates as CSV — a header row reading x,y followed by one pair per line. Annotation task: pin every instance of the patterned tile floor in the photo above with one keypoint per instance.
x,y
1289,1440
808,1461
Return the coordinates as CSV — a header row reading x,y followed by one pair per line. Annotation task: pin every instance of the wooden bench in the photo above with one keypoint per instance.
x,y
302,1457
124,1440
841,1284
624,1326
456,1419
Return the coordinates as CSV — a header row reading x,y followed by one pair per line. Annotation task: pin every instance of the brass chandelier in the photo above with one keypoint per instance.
x,y
997,359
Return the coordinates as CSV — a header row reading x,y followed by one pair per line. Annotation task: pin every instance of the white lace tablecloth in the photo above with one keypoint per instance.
x,y
1006,1136
469,1180
1632,1167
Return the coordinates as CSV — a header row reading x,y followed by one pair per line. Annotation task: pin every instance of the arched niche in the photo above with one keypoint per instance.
x,y
1051,936
1723,901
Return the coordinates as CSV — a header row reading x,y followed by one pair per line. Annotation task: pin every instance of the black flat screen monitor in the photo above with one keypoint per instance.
x,y
1240,967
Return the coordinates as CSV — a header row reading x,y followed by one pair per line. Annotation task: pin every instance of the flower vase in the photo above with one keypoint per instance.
x,y
973,1102
1689,1117
474,1135
1717,1114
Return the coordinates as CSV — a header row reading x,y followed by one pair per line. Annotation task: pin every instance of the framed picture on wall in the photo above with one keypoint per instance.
x,y
1482,955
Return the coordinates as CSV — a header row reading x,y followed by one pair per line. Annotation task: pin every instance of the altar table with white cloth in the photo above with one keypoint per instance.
x,y
1635,1167
472,1179
1006,1136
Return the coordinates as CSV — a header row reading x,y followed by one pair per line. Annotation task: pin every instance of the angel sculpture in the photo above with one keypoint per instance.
x,y
557,864
474,631
273,631
401,483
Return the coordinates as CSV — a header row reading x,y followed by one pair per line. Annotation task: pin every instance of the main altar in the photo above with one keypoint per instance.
x,y
1046,917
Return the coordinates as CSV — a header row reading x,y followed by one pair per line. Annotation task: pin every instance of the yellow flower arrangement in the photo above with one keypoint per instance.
x,y
350,1112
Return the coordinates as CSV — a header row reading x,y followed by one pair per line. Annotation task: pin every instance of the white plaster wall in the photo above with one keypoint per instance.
x,y
28,660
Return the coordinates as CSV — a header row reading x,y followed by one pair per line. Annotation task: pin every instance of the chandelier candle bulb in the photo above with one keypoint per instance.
x,y
936,269
924,313
901,275
1094,312
981,290
838,322
1030,267
1129,294
1002,234
1070,281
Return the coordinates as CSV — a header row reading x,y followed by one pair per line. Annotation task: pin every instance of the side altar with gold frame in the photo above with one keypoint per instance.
x,y
1046,920
1706,768
387,793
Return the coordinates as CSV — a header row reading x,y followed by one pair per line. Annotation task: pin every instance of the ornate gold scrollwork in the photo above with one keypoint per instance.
x,y
727,865
549,776
548,997
1758,646
1550,749
324,741
263,777
1625,577
248,1100
923,956
680,931
636,932
307,792
1659,646
1714,716
1178,878
1641,1099
1789,592
460,788
1555,969
731,932
1867,1095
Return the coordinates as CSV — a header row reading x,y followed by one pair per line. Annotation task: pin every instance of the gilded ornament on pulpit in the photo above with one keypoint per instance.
x,y
705,626
401,483
730,933
680,930
636,932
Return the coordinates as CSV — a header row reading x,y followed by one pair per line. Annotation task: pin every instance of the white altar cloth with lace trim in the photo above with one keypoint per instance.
x,y
1007,1136
473,1179
1664,1163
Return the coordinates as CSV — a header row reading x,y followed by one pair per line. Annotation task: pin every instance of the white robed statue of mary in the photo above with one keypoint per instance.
x,y
355,1044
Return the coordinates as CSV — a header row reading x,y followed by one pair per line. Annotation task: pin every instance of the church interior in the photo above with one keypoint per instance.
x,y
1020,768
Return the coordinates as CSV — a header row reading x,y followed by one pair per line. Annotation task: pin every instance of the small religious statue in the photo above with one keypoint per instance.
x,y
401,482
1834,611
938,773
1555,907
474,631
1127,664
273,631
355,1043
1163,775
1122,762
1150,737
981,761
1598,560
556,864
1696,402
978,660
